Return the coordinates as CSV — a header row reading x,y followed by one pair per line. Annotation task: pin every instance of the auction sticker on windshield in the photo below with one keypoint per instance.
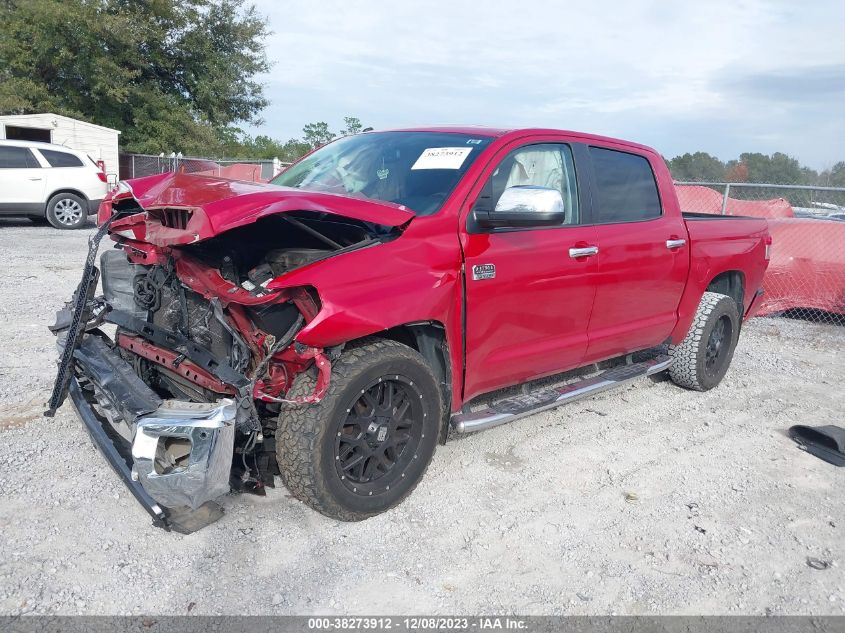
x,y
442,158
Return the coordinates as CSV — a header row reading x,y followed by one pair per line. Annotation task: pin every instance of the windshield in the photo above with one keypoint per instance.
x,y
414,169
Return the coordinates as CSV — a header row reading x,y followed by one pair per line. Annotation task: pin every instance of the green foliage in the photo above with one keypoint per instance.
x,y
170,74
317,134
261,146
698,166
353,126
777,168
235,144
294,148
754,167
835,176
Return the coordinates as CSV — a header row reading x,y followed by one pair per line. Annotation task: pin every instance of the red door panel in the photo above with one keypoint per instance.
x,y
530,320
639,286
527,313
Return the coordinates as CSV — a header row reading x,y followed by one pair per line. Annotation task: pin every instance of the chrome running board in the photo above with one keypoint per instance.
x,y
542,399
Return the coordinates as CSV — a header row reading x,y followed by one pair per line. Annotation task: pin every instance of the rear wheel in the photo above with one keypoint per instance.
x,y
67,211
703,357
366,445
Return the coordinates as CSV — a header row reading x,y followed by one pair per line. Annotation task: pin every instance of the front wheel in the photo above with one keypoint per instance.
x,y
366,445
703,357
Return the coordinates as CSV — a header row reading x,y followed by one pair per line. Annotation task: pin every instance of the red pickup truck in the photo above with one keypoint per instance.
x,y
333,326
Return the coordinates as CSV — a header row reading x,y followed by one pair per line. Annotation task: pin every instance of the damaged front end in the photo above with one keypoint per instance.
x,y
181,367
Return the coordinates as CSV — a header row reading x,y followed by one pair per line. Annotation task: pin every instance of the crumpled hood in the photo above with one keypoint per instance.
x,y
209,205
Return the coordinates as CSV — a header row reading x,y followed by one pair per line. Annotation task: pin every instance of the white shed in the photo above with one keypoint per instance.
x,y
99,142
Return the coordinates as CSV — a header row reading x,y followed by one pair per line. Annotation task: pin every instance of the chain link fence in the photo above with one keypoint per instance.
x,y
139,165
806,274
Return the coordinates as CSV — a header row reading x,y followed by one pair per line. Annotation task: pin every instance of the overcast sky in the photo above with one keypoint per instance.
x,y
718,76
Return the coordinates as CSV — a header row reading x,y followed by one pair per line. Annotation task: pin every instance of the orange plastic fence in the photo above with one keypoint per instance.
x,y
237,171
807,266
705,200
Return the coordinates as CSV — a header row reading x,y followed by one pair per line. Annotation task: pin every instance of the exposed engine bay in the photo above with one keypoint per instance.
x,y
255,339
202,345
252,255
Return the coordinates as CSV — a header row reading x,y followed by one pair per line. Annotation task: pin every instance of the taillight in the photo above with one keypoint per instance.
x,y
768,252
102,176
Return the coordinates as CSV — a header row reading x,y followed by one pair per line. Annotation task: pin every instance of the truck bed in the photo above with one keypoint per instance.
x,y
723,243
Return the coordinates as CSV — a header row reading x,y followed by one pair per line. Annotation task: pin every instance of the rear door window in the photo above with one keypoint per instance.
x,y
60,159
16,158
625,188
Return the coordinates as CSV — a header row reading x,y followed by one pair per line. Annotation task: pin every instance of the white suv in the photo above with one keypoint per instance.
x,y
41,180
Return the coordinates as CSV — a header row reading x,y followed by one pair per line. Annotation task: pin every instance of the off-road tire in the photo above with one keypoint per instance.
x,y
305,437
72,202
689,358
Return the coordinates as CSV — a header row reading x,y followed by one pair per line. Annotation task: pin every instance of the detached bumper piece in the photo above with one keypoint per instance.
x,y
110,451
174,456
183,452
122,395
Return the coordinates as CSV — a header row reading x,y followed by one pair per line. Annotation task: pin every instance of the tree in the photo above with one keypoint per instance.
x,y
293,149
234,143
835,177
777,168
172,75
737,171
353,126
700,166
317,134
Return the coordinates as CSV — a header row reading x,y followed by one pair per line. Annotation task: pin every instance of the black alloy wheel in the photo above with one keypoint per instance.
x,y
718,344
365,446
701,360
380,435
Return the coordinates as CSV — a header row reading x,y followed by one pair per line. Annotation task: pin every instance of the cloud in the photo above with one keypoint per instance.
x,y
789,85
755,75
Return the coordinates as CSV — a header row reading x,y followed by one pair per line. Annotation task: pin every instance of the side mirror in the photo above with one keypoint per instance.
x,y
523,206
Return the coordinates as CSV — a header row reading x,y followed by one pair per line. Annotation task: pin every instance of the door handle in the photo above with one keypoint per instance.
x,y
36,179
673,244
586,251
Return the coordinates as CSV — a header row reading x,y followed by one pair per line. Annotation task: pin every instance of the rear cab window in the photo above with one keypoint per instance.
x,y
625,189
12,157
60,159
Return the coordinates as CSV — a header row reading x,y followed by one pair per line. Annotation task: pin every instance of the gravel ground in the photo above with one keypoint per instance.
x,y
647,500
